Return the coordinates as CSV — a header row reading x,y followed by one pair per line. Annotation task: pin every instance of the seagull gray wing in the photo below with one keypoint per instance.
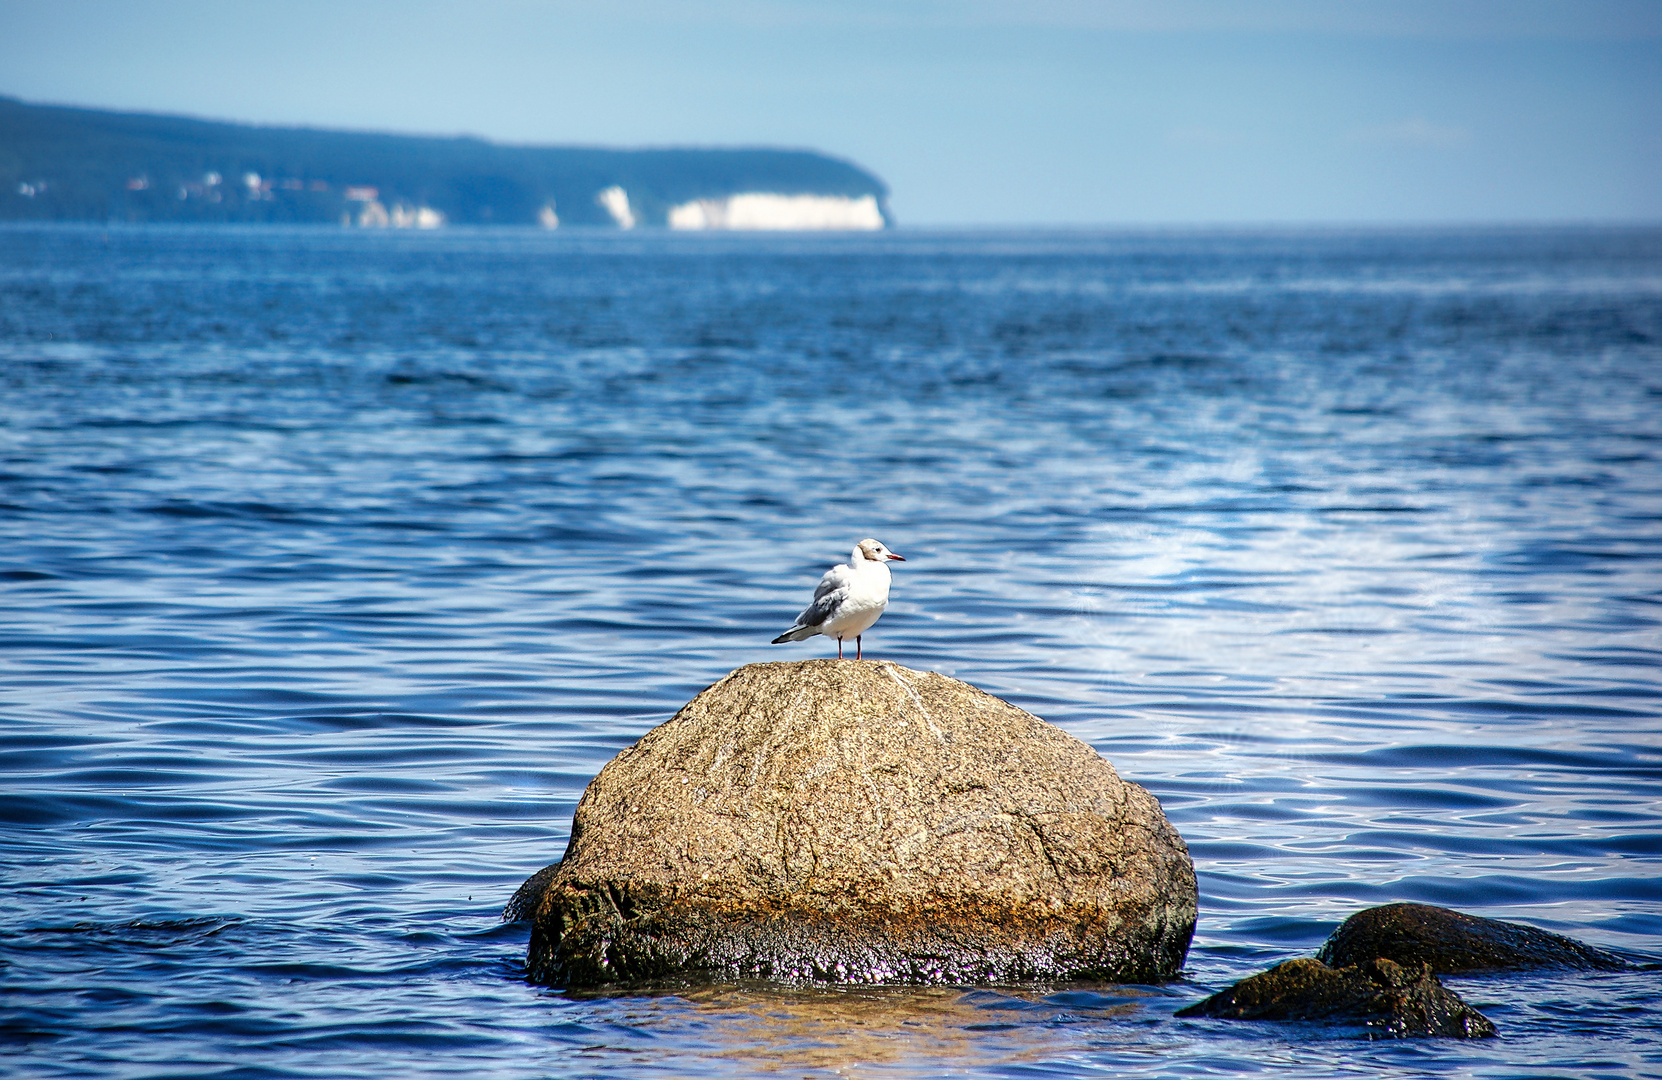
x,y
828,596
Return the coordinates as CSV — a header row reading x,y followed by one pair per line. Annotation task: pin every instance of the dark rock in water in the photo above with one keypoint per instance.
x,y
1387,999
859,821
1453,943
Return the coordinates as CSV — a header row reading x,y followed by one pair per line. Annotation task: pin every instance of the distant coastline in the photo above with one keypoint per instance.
x,y
69,164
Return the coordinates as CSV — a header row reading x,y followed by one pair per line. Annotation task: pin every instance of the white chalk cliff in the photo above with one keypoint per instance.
x,y
766,210
616,202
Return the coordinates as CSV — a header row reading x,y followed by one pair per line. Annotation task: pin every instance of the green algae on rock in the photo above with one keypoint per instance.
x,y
1454,943
1385,998
858,821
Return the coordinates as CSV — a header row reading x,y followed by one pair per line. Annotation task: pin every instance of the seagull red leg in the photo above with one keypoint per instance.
x,y
857,646
839,648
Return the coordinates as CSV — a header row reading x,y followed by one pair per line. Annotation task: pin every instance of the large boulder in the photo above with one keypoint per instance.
x,y
1380,997
1454,943
858,821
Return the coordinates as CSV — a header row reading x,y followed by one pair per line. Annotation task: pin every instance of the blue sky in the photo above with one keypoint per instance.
x,y
1044,113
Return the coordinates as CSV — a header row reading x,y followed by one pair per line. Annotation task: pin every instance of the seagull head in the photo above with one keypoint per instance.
x,y
876,552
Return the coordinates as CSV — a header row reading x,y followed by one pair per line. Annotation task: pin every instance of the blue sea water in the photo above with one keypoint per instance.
x,y
333,565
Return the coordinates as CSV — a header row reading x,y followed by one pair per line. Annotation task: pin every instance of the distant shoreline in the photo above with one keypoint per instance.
x,y
70,164
895,230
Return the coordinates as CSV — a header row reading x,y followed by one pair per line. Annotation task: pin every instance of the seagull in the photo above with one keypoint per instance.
x,y
850,597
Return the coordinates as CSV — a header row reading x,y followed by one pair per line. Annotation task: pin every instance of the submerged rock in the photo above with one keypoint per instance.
x,y
1454,943
859,821
1384,997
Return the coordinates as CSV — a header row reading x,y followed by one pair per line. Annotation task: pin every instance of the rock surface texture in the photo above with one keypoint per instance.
x,y
859,821
1385,998
1453,943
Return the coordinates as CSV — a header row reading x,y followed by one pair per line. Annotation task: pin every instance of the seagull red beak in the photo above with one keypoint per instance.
x,y
897,558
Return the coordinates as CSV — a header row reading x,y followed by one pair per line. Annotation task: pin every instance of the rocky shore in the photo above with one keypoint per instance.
x,y
842,821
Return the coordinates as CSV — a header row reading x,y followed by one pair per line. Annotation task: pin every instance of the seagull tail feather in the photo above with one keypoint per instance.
x,y
796,633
